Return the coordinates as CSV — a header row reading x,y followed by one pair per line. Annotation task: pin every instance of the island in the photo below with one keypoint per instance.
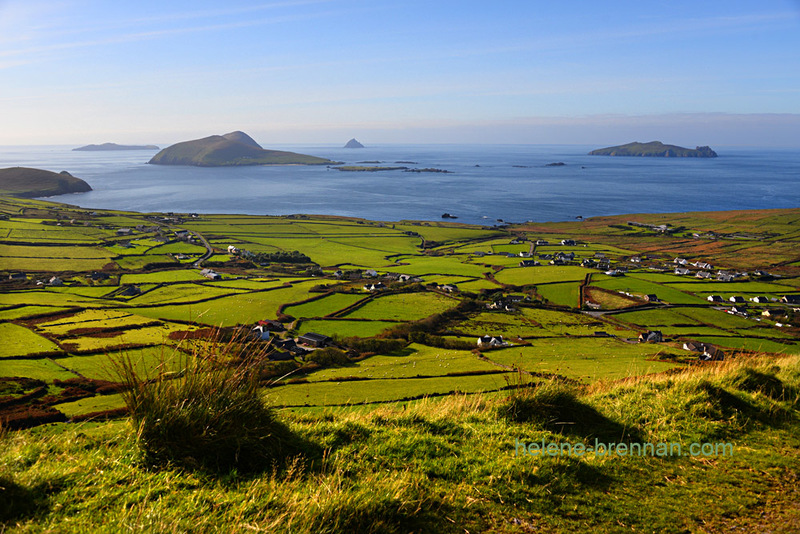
x,y
25,182
113,146
352,143
655,149
230,150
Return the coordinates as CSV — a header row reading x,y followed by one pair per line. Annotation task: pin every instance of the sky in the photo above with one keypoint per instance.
x,y
719,73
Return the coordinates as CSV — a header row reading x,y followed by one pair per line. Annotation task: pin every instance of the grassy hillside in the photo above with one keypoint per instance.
x,y
25,182
235,148
730,435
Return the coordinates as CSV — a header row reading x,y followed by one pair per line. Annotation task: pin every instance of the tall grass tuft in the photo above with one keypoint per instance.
x,y
210,415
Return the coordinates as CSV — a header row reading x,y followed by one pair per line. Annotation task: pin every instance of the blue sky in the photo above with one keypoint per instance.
x,y
322,71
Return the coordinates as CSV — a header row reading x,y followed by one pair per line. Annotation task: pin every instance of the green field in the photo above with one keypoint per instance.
x,y
403,307
19,341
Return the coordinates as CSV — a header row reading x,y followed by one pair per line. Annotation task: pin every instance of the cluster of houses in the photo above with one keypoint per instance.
x,y
289,347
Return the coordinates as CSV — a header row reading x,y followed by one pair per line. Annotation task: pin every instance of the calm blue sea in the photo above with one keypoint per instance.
x,y
487,183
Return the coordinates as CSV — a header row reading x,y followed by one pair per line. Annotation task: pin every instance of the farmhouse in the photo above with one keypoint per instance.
x,y
568,242
541,242
651,298
705,275
314,340
680,261
682,271
374,287
725,277
736,298
276,326
491,341
528,263
124,231
714,298
653,336
17,276
210,274
260,332
791,299
760,299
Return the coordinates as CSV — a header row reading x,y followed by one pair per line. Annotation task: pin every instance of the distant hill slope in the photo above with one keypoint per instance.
x,y
114,146
30,183
655,149
232,149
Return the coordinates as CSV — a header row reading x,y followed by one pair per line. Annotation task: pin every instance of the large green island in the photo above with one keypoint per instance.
x,y
25,182
232,149
655,149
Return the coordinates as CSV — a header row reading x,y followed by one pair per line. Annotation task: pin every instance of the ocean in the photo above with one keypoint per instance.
x,y
486,184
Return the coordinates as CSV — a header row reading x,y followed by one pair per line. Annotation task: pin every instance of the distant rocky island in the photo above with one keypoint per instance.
x,y
655,149
114,146
230,150
352,143
25,182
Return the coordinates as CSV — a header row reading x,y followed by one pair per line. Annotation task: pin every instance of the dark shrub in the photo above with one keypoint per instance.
x,y
210,416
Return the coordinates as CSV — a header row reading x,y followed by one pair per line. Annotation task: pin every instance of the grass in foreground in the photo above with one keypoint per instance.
x,y
452,465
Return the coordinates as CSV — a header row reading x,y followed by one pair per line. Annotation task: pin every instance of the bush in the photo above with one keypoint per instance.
x,y
209,416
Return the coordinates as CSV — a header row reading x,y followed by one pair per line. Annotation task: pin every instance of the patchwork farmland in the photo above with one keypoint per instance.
x,y
403,310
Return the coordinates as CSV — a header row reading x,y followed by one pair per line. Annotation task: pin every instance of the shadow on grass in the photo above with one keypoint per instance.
x,y
19,503
555,406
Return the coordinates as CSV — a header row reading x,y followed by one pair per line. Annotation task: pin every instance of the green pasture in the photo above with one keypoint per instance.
x,y
47,297
176,275
94,292
751,344
58,252
52,265
657,317
563,323
324,306
242,308
561,294
544,274
92,319
385,390
147,362
98,403
486,245
178,247
448,234
39,368
179,293
476,285
32,232
585,359
150,335
437,265
253,284
416,361
637,286
716,318
344,327
19,341
403,307
132,262
27,311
